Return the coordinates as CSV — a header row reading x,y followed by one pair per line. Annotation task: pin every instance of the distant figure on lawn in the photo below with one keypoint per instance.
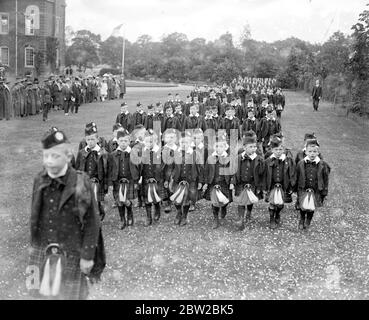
x,y
317,95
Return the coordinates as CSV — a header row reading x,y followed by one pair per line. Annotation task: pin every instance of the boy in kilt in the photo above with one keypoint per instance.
x,y
302,155
64,224
217,180
123,176
149,118
250,123
137,145
159,115
113,142
170,121
152,176
101,140
124,117
138,117
168,156
179,114
280,102
91,160
230,122
186,179
211,123
279,177
312,179
267,127
247,183
195,120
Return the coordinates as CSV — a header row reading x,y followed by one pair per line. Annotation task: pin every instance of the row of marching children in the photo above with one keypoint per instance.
x,y
263,120
192,165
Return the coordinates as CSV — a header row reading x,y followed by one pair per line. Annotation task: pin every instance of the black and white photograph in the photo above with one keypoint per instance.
x,y
205,151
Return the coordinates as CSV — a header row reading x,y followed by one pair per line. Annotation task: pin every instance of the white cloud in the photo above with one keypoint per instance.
x,y
270,20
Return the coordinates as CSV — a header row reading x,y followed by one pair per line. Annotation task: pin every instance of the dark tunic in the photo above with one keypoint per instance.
x,y
248,125
120,167
138,118
125,119
194,122
171,123
56,218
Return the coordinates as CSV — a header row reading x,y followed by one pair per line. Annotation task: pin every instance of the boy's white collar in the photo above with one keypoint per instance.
x,y
128,149
96,148
252,157
173,147
316,160
282,157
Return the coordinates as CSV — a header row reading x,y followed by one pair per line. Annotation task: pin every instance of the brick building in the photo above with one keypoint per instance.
x,y
32,36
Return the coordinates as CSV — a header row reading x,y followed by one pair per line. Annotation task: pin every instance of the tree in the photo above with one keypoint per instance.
x,y
84,49
111,51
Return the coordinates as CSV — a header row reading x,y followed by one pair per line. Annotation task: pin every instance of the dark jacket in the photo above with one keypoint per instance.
x,y
258,172
289,177
317,92
81,204
322,175
128,168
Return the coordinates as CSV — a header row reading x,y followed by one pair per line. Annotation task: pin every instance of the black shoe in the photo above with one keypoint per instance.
x,y
130,220
273,225
184,215
216,218
148,216
122,214
223,212
248,217
157,213
309,217
278,218
241,221
177,220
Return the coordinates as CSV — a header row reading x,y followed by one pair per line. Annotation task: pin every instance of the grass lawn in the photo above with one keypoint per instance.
x,y
195,262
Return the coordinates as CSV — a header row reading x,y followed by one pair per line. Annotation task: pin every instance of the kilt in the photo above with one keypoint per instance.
x,y
224,187
74,283
270,197
192,193
317,198
239,196
159,189
100,189
131,192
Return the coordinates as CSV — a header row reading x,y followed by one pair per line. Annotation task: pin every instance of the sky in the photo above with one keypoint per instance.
x,y
269,20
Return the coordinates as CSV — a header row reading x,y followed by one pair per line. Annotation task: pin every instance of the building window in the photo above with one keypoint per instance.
x,y
4,56
57,26
32,20
29,59
4,23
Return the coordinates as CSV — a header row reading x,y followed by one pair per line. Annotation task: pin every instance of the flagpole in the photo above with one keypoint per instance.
x,y
123,52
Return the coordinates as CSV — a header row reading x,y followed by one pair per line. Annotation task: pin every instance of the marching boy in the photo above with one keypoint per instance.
x,y
170,121
217,181
302,155
152,176
159,115
123,175
149,118
186,177
101,140
250,123
248,180
168,155
195,120
113,142
91,160
125,117
64,223
279,177
138,116
230,122
267,127
312,178
179,114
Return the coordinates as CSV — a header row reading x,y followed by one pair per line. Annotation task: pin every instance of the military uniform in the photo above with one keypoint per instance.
x,y
123,176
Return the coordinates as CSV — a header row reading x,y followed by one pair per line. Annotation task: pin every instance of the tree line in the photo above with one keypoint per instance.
x,y
341,63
